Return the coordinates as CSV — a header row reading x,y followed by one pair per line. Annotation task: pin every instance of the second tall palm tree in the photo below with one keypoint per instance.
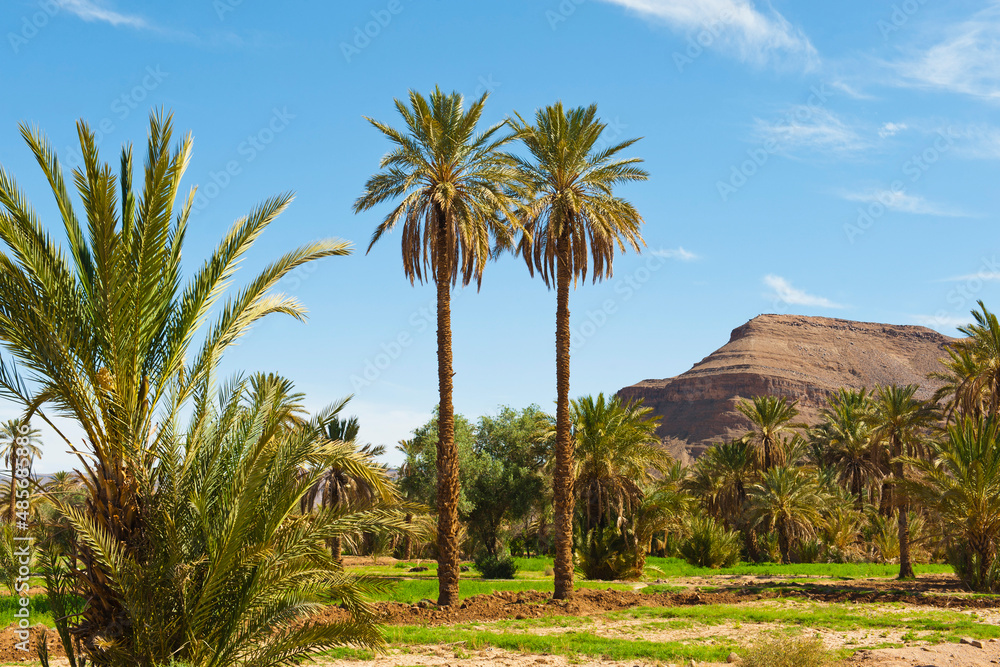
x,y
457,192
572,213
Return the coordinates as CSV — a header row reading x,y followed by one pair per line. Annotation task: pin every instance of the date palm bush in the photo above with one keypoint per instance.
x,y
106,327
233,570
960,483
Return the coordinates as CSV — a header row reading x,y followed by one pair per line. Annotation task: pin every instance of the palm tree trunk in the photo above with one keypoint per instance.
x,y
784,544
563,479
447,454
408,539
902,518
337,549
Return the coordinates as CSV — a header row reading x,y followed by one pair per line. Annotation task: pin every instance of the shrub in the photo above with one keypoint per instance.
x,y
604,554
787,652
967,567
493,566
710,544
809,551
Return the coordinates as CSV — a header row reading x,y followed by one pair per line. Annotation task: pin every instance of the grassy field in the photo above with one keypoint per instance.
x,y
576,636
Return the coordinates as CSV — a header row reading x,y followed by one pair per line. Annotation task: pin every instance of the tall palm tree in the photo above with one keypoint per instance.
x,y
960,481
845,440
105,326
573,223
899,423
788,501
456,192
972,370
12,439
721,478
771,418
617,452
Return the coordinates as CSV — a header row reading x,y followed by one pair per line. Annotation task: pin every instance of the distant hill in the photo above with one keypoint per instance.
x,y
803,358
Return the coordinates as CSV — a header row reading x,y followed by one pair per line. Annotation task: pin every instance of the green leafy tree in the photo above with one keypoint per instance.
x,y
456,193
110,330
573,224
508,481
720,479
899,423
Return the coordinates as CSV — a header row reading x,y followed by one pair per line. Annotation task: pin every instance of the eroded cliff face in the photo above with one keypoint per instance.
x,y
803,358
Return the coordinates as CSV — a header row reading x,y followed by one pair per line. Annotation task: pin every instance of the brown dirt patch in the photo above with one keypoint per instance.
x,y
9,638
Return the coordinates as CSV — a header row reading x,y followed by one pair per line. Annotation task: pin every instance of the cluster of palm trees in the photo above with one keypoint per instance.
x,y
931,465
462,197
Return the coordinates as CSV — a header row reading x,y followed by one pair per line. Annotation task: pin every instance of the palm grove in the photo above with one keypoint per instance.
x,y
208,515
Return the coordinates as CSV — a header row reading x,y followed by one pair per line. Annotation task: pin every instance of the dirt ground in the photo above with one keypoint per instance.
x,y
927,593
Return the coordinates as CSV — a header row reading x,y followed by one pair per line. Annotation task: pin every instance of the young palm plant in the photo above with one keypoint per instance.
x,y
105,326
234,573
573,224
456,192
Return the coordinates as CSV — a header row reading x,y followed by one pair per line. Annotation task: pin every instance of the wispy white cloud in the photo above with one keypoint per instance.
x,y
850,90
93,10
905,203
891,129
805,127
784,292
981,141
965,59
735,26
676,253
985,276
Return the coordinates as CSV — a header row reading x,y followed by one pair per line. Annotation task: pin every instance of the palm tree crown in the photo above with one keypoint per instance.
x,y
453,185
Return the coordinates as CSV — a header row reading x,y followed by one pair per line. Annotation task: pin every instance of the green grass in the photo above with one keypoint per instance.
x,y
677,567
570,644
38,607
935,626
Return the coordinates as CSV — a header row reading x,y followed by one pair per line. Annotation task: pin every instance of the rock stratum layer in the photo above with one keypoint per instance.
x,y
803,358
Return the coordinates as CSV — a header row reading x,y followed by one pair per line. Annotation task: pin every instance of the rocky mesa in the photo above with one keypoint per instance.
x,y
803,358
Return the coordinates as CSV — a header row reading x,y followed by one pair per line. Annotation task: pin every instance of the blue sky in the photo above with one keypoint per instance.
x,y
836,159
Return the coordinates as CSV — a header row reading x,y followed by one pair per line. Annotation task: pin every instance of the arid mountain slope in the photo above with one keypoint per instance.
x,y
804,358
